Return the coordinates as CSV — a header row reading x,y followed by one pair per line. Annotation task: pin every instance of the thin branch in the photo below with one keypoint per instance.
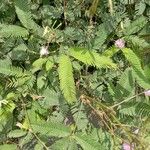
x,y
30,127
126,100
110,7
65,8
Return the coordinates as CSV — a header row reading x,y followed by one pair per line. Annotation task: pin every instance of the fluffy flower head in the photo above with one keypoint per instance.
x,y
44,51
127,146
147,93
120,43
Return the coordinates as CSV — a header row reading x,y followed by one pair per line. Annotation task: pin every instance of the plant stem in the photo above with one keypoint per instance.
x,y
30,127
110,6
126,100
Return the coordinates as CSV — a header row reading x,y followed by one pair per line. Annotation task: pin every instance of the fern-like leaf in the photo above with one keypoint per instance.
x,y
140,8
135,26
51,129
128,109
138,72
67,84
16,133
136,41
101,36
12,31
111,51
125,85
143,109
65,143
8,147
91,58
10,71
24,14
87,142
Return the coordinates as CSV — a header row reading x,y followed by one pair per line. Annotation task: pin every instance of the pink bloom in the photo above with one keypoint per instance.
x,y
127,146
120,43
147,93
44,51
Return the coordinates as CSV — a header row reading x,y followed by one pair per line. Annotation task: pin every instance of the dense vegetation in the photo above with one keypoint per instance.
x,y
74,74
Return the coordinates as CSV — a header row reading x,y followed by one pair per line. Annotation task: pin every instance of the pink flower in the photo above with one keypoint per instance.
x,y
120,43
127,146
147,93
44,51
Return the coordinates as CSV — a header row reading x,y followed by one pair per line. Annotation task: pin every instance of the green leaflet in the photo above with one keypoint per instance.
x,y
9,70
13,31
19,53
91,58
138,72
37,64
65,143
26,140
23,77
51,129
143,109
59,130
135,26
140,7
125,85
6,116
24,14
8,147
136,41
49,65
101,36
51,98
16,133
87,142
128,109
111,51
67,84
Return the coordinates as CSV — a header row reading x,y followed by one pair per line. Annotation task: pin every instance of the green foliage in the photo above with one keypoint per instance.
x,y
8,70
91,58
24,14
136,65
135,26
143,109
125,85
8,147
16,133
138,42
12,31
64,81
87,142
67,84
51,129
66,143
